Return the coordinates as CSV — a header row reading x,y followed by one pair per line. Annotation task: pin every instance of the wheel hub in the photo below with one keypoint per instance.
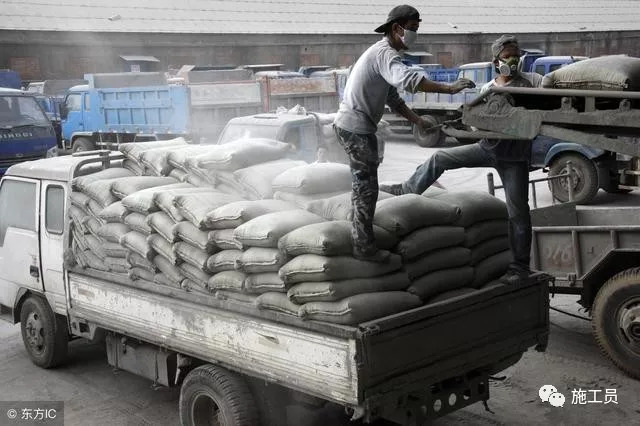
x,y
206,411
577,175
35,332
630,321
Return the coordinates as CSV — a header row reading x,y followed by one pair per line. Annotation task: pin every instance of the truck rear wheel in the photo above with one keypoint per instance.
x,y
428,139
211,395
83,144
616,320
44,333
585,185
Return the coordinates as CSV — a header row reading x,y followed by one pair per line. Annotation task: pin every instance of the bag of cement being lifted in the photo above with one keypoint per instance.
x,y
223,261
475,206
491,268
446,258
161,223
614,72
225,239
114,213
329,239
192,255
195,274
489,248
133,150
406,213
138,222
142,201
337,207
256,180
243,153
302,201
266,230
137,261
278,302
80,183
174,274
228,280
331,291
360,308
235,214
486,230
317,178
441,281
258,260
137,243
264,282
311,267
163,248
189,233
121,188
195,206
165,200
428,239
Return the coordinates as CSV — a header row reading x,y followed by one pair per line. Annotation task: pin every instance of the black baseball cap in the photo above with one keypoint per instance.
x,y
404,11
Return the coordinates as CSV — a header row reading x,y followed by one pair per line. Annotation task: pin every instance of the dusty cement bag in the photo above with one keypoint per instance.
x,y
136,274
256,180
302,201
137,243
78,217
113,232
428,239
192,255
258,260
235,214
329,239
157,160
243,153
475,206
161,223
93,225
264,282
331,291
225,239
114,213
163,248
80,183
447,295
195,206
360,308
87,259
317,178
100,191
266,230
229,179
142,201
165,200
614,72
165,280
170,270
311,267
179,175
133,150
116,264
488,248
337,207
447,258
80,200
122,188
195,287
179,158
138,222
235,297
189,233
441,281
228,280
195,274
137,261
94,209
406,213
114,250
79,240
279,302
491,268
198,181
223,261
486,230
95,245
134,167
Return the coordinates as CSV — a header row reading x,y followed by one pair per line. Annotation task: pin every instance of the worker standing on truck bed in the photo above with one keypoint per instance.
x,y
371,84
510,158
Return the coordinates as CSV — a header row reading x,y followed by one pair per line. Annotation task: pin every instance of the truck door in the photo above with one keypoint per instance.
x,y
19,248
74,120
52,208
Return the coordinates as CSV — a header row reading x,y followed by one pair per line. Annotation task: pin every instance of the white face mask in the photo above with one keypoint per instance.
x,y
409,38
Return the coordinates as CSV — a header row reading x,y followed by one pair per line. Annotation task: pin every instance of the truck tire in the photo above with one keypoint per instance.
x,y
428,139
213,395
585,172
616,320
44,333
83,144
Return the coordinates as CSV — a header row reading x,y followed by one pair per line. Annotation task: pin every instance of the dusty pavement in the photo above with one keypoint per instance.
x,y
94,394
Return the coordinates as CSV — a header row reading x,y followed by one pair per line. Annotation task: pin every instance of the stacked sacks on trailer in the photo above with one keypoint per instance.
x,y
307,183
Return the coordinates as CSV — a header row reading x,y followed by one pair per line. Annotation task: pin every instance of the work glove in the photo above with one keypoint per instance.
x,y
461,84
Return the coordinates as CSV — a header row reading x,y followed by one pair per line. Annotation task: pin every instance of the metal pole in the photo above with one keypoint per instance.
x,y
490,182
534,195
570,180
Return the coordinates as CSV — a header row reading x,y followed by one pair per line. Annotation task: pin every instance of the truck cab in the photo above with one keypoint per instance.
x,y
546,64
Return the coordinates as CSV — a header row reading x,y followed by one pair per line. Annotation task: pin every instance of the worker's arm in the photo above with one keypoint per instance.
x,y
429,86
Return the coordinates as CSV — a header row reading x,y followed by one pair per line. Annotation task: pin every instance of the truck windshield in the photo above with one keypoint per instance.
x,y
233,133
18,111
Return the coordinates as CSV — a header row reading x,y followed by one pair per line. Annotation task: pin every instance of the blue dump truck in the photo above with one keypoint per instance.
x,y
10,79
25,131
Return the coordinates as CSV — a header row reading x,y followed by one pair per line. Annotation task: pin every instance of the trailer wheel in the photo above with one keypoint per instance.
x,y
616,320
44,333
211,395
428,139
585,185
83,144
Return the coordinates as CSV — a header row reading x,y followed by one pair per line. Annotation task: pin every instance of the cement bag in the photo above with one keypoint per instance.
x,y
491,268
170,270
93,225
87,259
114,213
227,280
157,160
258,260
615,72
192,255
266,230
165,280
329,239
79,239
317,178
116,264
195,274
433,191
229,179
223,261
232,296
302,201
446,258
225,239
337,207
360,308
235,214
195,206
243,153
256,180
80,183
489,248
483,231
78,217
113,232
121,188
80,200
311,267
161,223
278,302
428,239
191,286
136,274
95,245
441,281
115,250
179,175
137,261
475,206
179,158
187,232
134,167
165,200
453,294
331,291
94,209
197,180
142,201
406,213
264,282
163,248
137,243
100,191
133,150
138,222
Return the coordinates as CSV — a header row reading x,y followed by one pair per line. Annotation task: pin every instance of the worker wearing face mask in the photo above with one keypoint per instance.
x,y
373,82
510,159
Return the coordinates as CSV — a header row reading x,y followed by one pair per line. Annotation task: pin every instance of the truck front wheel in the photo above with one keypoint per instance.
x,y
616,320
585,178
211,395
83,144
428,139
44,333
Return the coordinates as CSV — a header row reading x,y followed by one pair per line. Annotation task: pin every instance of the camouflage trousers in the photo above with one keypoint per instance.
x,y
362,150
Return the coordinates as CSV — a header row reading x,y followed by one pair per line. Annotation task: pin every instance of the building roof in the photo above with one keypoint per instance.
x,y
315,17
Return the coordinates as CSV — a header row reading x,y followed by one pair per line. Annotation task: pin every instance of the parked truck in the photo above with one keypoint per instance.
x,y
236,365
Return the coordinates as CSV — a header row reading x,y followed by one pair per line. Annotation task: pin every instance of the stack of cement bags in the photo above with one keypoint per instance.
x,y
307,183
337,207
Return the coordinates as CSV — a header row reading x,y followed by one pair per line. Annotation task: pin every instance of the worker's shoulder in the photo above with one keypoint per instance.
x,y
383,49
533,77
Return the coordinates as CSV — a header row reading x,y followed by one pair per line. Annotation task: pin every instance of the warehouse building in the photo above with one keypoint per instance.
x,y
44,39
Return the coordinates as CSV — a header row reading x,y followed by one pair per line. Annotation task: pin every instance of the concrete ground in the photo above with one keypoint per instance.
x,y
95,394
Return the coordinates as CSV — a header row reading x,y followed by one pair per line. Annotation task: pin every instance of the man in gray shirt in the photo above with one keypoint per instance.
x,y
372,83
